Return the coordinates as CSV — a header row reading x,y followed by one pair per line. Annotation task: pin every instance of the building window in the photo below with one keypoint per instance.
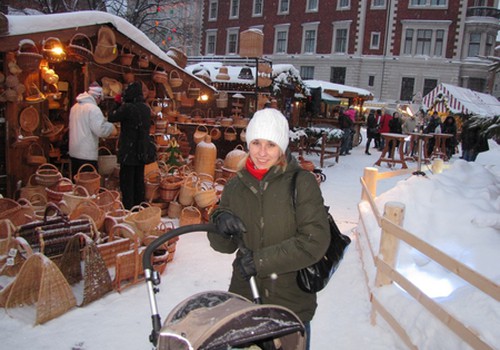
x,y
232,41
281,43
312,6
337,75
378,3
424,37
284,7
474,44
429,85
375,41
340,41
490,39
257,7
438,2
428,3
408,48
371,80
212,10
438,47
211,42
307,72
407,85
234,11
309,41
343,4
479,3
476,84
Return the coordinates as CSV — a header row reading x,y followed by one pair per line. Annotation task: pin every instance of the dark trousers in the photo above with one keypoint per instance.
x,y
132,184
76,164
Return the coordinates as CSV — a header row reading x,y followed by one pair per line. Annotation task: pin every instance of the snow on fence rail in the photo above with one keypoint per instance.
x,y
385,261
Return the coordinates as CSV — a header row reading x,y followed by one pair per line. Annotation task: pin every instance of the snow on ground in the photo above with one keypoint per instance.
x,y
342,321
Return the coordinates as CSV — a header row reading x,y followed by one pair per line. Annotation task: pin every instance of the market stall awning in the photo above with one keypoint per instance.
x,y
329,99
339,90
461,101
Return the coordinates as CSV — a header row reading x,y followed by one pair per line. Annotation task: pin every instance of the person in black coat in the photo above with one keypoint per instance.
x,y
450,127
346,124
395,127
371,131
431,127
132,114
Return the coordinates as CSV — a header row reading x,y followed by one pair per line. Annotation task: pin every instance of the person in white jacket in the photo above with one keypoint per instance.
x,y
86,125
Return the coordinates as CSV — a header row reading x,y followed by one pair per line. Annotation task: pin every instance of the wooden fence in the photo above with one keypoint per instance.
x,y
384,261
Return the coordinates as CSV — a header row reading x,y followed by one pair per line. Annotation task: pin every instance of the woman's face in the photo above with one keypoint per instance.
x,y
264,153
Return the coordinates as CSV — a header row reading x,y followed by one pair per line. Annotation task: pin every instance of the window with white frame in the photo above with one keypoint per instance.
x,y
234,10
426,38
474,44
378,4
309,37
281,38
212,10
375,40
258,6
490,40
312,5
284,7
428,3
307,72
343,4
232,41
340,40
211,42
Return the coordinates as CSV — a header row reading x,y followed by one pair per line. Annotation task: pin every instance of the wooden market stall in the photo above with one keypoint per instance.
x,y
38,86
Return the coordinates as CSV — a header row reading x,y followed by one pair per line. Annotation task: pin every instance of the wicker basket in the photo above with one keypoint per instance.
x,y
152,182
35,154
28,58
190,215
230,134
200,134
175,79
106,162
251,43
107,200
80,48
47,175
72,199
91,209
193,92
160,74
91,180
143,61
222,100
174,208
126,55
188,189
170,186
145,220
31,189
178,56
55,192
234,157
206,195
29,119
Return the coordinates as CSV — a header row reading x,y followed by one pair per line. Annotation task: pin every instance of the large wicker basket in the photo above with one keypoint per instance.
x,y
190,215
47,175
91,180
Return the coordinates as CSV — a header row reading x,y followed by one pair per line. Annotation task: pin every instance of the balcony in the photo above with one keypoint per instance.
x,y
483,12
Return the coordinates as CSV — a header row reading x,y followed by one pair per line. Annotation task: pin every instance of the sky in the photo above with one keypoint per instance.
x,y
471,190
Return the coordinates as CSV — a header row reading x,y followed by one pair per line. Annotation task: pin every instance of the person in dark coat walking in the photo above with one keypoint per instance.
x,y
450,127
371,131
281,238
473,142
132,114
346,124
432,127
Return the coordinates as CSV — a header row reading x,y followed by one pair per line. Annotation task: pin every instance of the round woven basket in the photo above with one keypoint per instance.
x,y
190,215
91,180
35,155
170,186
73,198
88,207
47,175
175,79
206,195
234,157
145,220
55,192
106,162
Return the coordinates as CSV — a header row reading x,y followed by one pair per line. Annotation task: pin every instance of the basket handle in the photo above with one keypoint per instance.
x,y
86,165
176,73
83,36
53,207
31,152
106,149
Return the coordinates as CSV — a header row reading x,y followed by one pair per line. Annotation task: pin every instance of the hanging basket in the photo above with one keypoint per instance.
x,y
175,79
29,119
91,180
200,134
230,134
178,56
126,57
28,58
215,134
192,91
35,155
222,100
143,61
80,48
160,74
52,50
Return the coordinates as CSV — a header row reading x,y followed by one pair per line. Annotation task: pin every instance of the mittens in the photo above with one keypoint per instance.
x,y
245,263
229,225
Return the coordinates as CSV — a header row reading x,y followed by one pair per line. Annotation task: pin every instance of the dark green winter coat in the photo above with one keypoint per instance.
x,y
282,238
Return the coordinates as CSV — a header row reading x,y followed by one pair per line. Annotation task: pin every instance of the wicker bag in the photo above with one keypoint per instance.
x,y
230,134
206,195
174,208
188,189
175,79
73,198
143,61
106,162
200,134
107,200
190,215
193,92
145,220
31,189
35,155
91,209
222,100
91,180
126,55
47,175
160,74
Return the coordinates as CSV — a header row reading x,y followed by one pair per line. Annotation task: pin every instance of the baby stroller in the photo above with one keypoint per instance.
x,y
217,320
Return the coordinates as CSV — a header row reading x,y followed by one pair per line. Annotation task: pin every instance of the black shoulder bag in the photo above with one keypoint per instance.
x,y
314,278
146,148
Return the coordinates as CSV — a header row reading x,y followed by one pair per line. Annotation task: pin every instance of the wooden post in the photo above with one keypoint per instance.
x,y
370,176
389,245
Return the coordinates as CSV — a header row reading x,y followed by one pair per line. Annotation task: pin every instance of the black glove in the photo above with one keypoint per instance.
x,y
245,264
229,225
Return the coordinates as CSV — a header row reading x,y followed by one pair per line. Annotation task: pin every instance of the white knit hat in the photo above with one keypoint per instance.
x,y
269,124
95,90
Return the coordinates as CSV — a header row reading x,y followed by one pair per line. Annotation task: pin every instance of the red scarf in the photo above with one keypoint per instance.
x,y
257,173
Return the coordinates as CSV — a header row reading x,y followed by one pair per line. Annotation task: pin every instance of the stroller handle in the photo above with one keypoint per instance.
x,y
146,259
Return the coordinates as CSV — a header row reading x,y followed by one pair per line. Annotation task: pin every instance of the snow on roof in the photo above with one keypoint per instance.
x,y
23,25
325,85
212,69
462,100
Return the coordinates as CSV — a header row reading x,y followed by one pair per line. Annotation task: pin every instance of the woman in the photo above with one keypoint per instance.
x,y
133,114
450,127
281,238
371,131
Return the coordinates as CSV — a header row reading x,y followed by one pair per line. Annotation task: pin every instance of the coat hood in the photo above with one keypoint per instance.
x,y
85,97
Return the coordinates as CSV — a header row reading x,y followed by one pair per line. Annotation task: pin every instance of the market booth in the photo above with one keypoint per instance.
x,y
48,60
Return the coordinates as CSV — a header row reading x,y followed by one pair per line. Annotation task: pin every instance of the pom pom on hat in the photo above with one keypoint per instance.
x,y
269,124
95,90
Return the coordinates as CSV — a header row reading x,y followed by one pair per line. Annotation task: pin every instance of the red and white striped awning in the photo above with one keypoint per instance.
x,y
461,101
